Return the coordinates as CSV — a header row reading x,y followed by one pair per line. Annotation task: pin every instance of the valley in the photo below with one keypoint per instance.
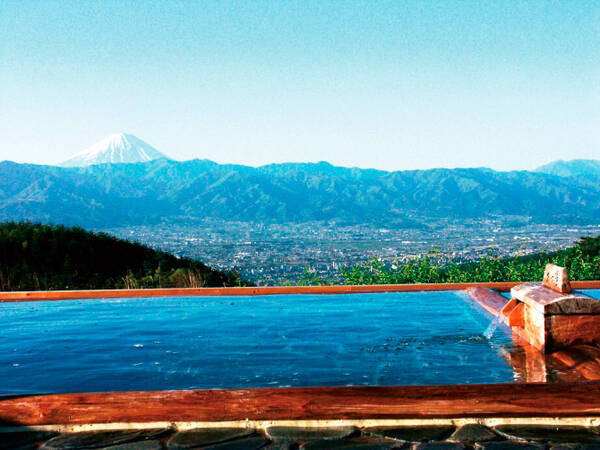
x,y
282,253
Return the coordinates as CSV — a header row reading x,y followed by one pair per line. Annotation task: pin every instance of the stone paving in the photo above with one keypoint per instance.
x,y
468,437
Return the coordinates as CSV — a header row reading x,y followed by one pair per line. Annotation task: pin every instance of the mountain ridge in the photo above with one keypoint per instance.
x,y
187,191
585,168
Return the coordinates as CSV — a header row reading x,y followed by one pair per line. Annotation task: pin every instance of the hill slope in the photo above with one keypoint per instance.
x,y
41,257
109,195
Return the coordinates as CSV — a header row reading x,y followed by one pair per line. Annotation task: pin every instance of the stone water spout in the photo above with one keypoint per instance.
x,y
549,316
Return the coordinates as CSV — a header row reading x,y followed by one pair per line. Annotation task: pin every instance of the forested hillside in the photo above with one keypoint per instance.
x,y
42,257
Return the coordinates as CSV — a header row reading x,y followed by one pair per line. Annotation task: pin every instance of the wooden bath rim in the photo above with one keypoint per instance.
x,y
490,404
576,403
18,296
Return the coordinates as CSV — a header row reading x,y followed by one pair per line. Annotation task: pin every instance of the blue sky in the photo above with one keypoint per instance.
x,y
392,85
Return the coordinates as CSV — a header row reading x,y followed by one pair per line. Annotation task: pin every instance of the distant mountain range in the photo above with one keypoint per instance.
x,y
159,190
586,171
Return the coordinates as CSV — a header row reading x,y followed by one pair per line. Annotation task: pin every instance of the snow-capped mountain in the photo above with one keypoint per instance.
x,y
116,148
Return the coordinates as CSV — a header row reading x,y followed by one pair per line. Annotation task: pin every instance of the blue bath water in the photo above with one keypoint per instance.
x,y
595,293
239,342
591,292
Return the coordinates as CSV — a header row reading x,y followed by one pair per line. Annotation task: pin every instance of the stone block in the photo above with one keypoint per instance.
x,y
548,433
300,434
101,439
24,439
413,434
202,437
361,443
557,279
474,432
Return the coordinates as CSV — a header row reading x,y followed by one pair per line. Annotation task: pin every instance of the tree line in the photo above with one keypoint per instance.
x,y
581,260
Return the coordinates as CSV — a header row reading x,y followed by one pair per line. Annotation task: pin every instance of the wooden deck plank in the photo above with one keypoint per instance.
x,y
492,400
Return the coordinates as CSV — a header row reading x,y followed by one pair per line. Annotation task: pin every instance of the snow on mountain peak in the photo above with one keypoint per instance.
x,y
116,148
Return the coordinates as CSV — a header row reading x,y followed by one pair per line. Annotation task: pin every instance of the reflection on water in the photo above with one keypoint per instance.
x,y
575,364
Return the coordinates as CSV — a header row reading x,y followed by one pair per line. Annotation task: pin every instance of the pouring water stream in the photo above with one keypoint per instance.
x,y
491,329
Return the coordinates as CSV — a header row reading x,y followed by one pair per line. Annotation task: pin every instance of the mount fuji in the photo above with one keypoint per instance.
x,y
116,148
